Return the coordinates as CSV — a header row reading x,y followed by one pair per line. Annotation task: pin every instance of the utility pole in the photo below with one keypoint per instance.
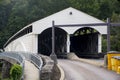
x,y
108,34
53,55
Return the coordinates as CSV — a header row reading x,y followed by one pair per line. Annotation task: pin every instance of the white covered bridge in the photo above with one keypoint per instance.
x,y
37,36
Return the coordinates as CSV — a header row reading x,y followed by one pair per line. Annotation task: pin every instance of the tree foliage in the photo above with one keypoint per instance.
x,y
15,14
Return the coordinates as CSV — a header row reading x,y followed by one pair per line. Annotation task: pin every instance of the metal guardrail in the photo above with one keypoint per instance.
x,y
21,56
35,59
17,57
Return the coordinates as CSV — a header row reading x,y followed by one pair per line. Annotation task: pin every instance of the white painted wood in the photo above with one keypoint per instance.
x,y
99,43
68,43
29,42
26,43
64,17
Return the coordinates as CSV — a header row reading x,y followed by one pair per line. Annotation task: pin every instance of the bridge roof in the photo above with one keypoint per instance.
x,y
65,17
68,16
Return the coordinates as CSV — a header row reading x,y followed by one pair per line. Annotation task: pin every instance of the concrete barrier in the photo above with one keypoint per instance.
x,y
46,72
62,77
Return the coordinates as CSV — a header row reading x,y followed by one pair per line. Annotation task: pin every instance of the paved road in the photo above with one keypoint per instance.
x,y
75,70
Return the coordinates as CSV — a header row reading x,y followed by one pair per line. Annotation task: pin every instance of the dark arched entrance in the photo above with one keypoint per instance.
x,y
45,42
84,42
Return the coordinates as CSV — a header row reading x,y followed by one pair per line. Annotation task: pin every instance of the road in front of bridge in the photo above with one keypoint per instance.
x,y
76,70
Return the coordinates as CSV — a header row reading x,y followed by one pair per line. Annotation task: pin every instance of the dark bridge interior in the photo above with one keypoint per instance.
x,y
45,42
84,42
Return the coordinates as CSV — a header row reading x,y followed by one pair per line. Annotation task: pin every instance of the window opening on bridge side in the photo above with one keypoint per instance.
x,y
20,34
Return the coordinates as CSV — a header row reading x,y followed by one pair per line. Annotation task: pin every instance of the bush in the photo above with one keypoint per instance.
x,y
16,72
1,64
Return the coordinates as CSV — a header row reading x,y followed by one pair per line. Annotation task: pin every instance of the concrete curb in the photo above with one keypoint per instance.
x,y
99,64
72,56
62,73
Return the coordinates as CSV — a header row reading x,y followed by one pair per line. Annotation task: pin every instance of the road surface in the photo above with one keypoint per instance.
x,y
76,70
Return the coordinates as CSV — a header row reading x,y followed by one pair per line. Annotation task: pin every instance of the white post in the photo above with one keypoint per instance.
x,y
35,43
99,43
68,43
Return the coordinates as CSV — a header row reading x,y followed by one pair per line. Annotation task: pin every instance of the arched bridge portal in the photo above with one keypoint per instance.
x,y
84,42
45,42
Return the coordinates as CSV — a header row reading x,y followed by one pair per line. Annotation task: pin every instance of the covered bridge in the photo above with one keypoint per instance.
x,y
37,36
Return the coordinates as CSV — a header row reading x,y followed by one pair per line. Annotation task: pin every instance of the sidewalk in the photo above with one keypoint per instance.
x,y
31,72
96,62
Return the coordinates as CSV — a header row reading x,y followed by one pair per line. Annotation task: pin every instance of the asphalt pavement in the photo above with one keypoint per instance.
x,y
76,70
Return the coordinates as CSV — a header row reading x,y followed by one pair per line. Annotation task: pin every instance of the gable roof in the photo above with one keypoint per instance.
x,y
68,16
65,17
